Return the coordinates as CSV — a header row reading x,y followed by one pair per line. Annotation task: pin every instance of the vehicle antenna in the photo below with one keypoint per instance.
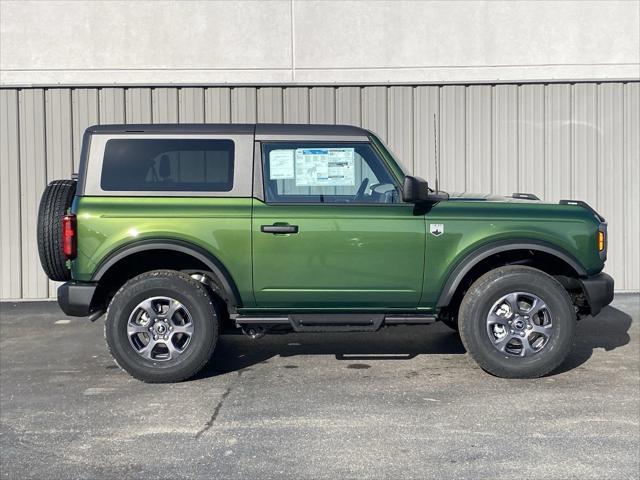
x,y
436,158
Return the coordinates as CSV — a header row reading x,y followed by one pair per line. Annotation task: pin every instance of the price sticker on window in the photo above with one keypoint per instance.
x,y
324,167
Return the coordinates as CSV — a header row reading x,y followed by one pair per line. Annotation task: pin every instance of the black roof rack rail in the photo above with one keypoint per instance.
x,y
230,128
525,196
580,203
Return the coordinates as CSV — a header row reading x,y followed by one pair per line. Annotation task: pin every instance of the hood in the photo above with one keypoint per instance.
x,y
488,197
518,198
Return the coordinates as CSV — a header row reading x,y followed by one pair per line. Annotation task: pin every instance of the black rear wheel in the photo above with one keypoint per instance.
x,y
162,326
55,203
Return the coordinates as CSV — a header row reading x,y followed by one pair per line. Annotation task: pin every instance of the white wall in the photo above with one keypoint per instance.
x,y
315,42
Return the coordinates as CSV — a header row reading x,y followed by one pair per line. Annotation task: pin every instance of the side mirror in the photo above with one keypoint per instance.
x,y
415,190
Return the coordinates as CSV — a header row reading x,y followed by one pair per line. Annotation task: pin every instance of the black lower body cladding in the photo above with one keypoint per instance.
x,y
598,290
75,298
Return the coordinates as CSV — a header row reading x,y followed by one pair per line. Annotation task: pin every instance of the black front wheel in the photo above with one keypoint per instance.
x,y
517,322
162,326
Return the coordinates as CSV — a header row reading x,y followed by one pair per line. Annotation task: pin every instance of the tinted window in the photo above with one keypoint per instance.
x,y
188,165
326,173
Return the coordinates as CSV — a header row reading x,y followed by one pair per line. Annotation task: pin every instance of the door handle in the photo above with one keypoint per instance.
x,y
279,228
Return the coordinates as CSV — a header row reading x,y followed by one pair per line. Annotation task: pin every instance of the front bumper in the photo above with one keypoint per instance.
x,y
599,291
75,298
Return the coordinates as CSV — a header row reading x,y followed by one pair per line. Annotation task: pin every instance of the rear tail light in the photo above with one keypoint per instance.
x,y
69,239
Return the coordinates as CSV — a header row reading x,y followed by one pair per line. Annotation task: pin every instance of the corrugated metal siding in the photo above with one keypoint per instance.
x,y
10,205
217,105
504,139
555,140
632,185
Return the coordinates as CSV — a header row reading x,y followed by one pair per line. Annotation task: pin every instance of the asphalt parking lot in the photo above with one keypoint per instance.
x,y
405,402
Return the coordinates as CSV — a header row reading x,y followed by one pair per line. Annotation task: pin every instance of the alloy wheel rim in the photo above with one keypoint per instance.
x,y
520,324
160,329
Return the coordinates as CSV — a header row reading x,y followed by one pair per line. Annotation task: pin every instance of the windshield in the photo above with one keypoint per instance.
x,y
397,166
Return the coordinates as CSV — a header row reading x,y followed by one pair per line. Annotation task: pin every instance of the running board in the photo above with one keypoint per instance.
x,y
336,322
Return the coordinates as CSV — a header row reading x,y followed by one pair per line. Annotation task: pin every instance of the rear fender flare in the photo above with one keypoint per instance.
x,y
222,276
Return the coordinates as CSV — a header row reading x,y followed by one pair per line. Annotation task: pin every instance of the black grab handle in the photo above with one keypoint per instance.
x,y
279,228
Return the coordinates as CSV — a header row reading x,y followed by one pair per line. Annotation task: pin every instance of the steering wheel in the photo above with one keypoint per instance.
x,y
361,189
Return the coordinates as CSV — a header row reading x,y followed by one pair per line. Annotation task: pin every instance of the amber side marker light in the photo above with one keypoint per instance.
x,y
600,241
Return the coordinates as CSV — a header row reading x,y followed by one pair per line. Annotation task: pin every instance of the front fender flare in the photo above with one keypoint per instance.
x,y
485,251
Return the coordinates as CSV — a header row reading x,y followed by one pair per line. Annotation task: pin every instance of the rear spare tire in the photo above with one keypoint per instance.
x,y
55,203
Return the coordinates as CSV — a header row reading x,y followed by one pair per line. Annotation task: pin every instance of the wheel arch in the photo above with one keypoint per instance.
x,y
474,258
222,276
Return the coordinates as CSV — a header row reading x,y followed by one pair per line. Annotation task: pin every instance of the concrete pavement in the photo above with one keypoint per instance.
x,y
404,402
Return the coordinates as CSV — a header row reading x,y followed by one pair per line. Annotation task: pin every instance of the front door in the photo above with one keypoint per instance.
x,y
333,232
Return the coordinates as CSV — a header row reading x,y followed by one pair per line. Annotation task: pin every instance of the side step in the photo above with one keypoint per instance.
x,y
336,322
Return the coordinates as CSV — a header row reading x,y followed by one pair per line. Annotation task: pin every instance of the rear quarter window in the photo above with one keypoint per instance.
x,y
172,165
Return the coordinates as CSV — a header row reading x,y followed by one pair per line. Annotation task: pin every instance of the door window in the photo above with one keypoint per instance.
x,y
326,173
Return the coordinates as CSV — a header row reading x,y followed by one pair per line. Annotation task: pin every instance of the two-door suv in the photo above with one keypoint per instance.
x,y
179,232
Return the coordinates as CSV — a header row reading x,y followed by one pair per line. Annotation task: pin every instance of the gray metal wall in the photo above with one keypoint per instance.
x,y
558,141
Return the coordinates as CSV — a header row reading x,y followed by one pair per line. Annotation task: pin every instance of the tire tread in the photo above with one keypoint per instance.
x,y
477,291
56,200
201,292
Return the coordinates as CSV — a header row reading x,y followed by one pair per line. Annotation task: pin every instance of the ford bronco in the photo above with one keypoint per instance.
x,y
181,232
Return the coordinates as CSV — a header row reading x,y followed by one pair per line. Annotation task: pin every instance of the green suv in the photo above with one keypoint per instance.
x,y
181,232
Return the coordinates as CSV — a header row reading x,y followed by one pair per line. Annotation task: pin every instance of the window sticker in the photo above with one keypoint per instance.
x,y
281,165
325,167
